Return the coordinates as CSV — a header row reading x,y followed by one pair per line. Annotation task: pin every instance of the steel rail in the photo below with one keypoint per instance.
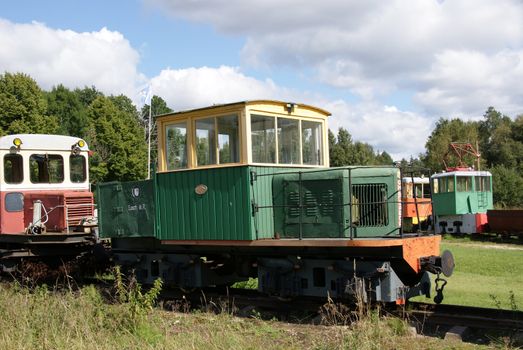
x,y
468,316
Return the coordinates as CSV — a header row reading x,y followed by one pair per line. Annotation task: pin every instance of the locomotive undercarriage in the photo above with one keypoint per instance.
x,y
349,274
49,248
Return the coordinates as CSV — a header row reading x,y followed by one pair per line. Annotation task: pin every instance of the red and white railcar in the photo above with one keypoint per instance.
x,y
45,200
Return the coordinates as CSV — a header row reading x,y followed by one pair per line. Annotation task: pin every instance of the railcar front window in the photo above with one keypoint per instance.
x,y
46,168
464,183
435,186
450,184
407,190
78,168
311,133
442,184
205,142
482,183
13,169
228,139
288,141
487,183
263,138
176,146
419,190
426,190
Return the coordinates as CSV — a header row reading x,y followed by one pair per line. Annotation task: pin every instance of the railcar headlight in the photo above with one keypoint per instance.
x,y
81,143
17,142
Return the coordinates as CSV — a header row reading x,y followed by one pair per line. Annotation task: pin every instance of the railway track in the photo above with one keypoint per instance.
x,y
466,316
417,312
462,323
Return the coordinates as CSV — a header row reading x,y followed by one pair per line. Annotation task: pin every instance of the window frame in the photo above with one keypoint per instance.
x,y
19,156
276,117
49,179
194,148
8,203
165,155
84,166
321,161
467,182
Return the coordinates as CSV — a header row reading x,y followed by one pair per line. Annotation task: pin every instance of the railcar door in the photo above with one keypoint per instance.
x,y
11,200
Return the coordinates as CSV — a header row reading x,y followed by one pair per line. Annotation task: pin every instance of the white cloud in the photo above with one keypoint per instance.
x,y
384,127
462,81
204,86
102,58
374,48
453,76
401,133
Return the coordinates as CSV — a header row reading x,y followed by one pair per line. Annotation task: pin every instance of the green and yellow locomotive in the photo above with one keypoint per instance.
x,y
245,190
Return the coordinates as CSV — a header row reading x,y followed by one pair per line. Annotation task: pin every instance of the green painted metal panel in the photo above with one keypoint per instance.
x,y
126,209
458,203
444,203
344,202
261,197
309,205
223,212
245,203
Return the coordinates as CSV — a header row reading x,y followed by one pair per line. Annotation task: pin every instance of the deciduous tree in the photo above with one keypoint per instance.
x,y
117,140
23,106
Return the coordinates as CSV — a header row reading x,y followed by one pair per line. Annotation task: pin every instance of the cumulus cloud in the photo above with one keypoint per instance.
x,y
461,80
102,58
384,127
458,64
198,87
373,48
401,133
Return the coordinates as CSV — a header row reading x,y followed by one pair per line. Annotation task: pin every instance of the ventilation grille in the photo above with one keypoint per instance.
x,y
78,208
369,205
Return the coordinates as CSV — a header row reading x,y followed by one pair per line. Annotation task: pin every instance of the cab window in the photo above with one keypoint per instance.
x,y
464,183
176,145
442,184
13,169
228,139
311,133
263,138
46,168
278,140
288,141
217,140
419,190
482,183
78,168
205,142
450,184
426,190
407,190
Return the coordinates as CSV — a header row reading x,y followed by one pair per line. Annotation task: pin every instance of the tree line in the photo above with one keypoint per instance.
x,y
116,133
112,126
499,140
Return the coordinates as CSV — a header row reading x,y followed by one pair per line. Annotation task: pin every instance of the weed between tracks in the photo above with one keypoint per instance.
x,y
40,317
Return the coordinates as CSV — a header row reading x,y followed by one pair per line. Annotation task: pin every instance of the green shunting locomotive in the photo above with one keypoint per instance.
x,y
461,195
245,190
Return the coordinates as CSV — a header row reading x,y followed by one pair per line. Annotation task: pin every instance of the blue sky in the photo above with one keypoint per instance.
x,y
386,70
162,41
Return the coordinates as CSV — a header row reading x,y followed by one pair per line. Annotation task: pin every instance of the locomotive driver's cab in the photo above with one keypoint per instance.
x,y
44,184
268,133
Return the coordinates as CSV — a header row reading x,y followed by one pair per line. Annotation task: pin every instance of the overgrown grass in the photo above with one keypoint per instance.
x,y
486,274
44,318
41,318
